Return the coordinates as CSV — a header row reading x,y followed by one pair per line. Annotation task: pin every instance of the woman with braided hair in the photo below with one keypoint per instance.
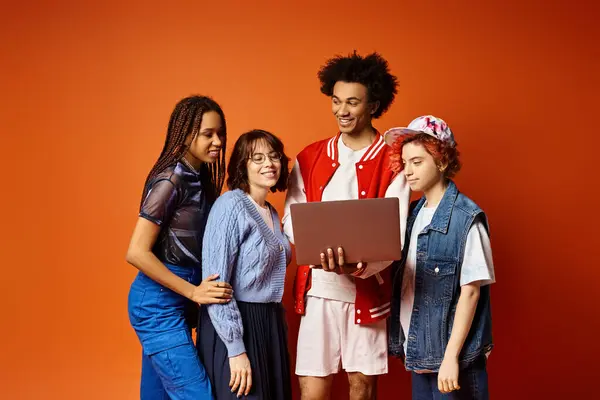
x,y
166,247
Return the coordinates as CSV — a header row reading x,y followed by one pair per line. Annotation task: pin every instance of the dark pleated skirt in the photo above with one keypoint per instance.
x,y
265,338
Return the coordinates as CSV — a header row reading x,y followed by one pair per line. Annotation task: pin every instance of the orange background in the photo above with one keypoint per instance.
x,y
86,93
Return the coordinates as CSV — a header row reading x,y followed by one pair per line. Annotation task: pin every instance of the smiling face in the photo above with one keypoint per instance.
x,y
206,144
351,108
264,166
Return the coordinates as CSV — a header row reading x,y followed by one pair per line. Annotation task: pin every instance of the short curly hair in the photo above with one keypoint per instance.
x,y
372,71
237,169
444,153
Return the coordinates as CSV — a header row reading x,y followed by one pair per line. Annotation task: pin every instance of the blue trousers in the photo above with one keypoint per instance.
x,y
473,382
171,368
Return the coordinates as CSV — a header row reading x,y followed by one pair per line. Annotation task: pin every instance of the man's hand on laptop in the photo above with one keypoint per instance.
x,y
331,263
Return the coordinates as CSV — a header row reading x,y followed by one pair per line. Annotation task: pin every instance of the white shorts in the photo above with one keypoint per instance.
x,y
329,337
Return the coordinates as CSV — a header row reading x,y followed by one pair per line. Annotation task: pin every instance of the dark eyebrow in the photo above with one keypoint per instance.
x,y
348,99
413,158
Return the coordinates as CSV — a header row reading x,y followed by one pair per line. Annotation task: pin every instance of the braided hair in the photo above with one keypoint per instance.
x,y
185,120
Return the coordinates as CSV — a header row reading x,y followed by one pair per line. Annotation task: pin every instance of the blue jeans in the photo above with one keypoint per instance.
x,y
171,368
473,382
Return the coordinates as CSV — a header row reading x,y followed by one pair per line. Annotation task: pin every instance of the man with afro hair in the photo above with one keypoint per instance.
x,y
344,313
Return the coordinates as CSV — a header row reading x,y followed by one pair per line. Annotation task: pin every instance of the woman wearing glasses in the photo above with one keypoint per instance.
x,y
243,344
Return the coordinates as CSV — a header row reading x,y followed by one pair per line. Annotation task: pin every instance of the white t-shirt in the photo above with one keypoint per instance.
x,y
477,263
265,213
343,185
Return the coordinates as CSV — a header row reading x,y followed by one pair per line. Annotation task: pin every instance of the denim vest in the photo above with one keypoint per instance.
x,y
440,251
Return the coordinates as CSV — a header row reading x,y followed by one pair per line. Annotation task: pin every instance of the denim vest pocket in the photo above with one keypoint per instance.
x,y
439,281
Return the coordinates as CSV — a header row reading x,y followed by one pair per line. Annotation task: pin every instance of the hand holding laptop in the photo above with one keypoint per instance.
x,y
342,236
330,263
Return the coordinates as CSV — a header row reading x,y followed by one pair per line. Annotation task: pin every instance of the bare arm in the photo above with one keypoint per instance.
x,y
465,311
139,254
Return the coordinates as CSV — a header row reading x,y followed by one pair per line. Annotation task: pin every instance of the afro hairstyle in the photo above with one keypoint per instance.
x,y
372,71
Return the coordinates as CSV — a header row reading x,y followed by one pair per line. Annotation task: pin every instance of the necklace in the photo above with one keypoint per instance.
x,y
187,164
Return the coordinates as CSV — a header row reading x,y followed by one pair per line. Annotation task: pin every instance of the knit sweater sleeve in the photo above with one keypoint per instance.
x,y
219,256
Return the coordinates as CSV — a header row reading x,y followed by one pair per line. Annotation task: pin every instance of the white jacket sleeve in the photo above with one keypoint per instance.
x,y
398,188
295,194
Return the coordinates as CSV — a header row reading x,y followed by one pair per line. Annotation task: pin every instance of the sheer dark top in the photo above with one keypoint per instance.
x,y
178,204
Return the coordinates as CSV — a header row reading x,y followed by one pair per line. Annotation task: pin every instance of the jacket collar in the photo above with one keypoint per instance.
x,y
372,152
441,218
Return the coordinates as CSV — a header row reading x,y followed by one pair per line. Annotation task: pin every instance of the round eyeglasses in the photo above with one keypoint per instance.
x,y
259,158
